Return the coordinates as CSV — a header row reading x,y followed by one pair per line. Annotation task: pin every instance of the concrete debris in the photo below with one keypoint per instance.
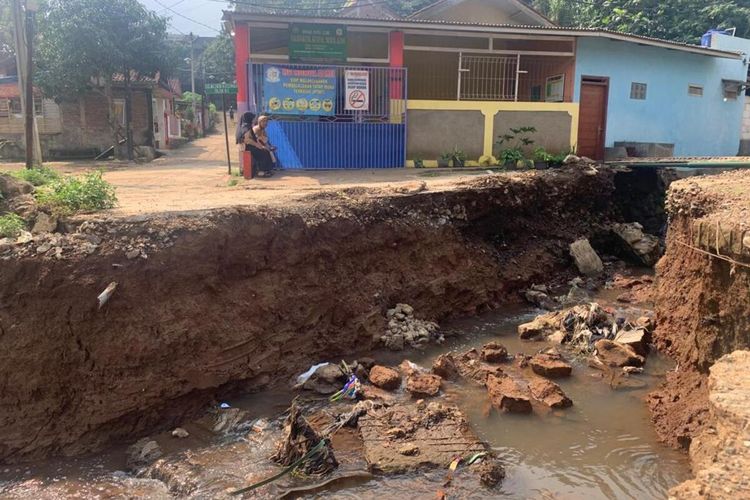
x,y
641,247
45,223
571,159
142,453
613,354
326,379
549,393
104,297
422,385
540,327
638,339
586,259
550,364
508,395
385,378
181,433
540,299
406,330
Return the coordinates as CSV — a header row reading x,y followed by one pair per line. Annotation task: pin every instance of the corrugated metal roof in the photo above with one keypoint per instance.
x,y
488,27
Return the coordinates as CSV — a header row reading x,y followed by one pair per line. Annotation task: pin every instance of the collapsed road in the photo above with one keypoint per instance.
x,y
219,303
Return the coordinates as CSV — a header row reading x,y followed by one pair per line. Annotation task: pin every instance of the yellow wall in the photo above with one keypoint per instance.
x,y
490,108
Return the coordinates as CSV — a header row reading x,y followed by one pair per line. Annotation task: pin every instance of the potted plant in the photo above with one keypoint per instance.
x,y
510,157
458,157
445,159
556,161
541,159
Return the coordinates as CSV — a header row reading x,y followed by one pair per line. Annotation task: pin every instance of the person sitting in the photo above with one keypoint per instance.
x,y
248,129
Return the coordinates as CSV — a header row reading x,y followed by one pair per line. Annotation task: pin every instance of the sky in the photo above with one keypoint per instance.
x,y
202,17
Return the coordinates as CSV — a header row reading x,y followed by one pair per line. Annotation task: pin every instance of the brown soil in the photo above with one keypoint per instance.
x,y
238,299
702,302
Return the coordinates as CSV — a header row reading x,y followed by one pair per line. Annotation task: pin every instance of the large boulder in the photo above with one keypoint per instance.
x,y
617,355
422,385
549,393
586,259
45,223
550,365
385,378
508,395
641,247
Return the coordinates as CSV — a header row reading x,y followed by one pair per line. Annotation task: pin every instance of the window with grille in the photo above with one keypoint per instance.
x,y
15,106
38,106
4,108
695,90
638,91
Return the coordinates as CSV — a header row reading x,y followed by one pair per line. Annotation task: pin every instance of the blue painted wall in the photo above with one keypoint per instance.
x,y
697,126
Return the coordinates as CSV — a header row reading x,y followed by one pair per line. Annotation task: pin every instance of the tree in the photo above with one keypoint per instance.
x,y
86,41
678,20
217,60
7,52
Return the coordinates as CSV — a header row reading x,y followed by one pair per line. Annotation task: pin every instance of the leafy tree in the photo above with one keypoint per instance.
x,y
86,41
217,60
7,51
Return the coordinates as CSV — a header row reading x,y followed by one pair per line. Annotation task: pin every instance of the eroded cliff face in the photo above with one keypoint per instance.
x,y
236,300
703,295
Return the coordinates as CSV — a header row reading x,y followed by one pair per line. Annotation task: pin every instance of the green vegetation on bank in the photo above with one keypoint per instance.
x,y
83,193
11,225
38,176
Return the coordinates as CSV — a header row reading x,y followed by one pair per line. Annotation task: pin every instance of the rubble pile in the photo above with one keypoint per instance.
x,y
406,330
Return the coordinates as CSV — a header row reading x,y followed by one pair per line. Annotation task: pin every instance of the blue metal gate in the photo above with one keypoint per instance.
x,y
315,123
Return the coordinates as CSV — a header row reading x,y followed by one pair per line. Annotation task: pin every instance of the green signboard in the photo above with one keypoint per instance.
x,y
221,88
317,43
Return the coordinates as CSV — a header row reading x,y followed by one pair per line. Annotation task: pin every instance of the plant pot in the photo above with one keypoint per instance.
x,y
555,164
443,163
541,165
509,164
459,163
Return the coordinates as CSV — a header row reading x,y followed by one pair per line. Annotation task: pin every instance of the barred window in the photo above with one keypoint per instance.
x,y
638,91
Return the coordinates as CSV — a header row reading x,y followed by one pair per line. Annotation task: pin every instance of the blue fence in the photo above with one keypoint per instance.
x,y
332,135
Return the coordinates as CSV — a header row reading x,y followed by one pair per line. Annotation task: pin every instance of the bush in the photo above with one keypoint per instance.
x,y
11,225
37,176
83,193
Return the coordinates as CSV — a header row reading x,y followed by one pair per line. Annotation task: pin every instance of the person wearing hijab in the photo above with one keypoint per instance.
x,y
251,132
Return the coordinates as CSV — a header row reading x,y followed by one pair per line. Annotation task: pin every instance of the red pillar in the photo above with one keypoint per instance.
x,y
241,58
396,58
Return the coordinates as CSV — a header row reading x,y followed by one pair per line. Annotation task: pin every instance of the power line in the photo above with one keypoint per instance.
x,y
187,18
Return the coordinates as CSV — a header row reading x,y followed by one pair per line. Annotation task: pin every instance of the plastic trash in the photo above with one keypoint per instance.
x,y
224,406
305,376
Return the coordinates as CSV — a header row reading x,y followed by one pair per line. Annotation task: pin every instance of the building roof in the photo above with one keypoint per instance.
x,y
9,88
439,5
489,29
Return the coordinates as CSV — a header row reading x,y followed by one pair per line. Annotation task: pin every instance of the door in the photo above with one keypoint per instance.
x,y
592,121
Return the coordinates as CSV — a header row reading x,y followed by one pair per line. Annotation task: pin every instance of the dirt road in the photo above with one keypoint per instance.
x,y
195,177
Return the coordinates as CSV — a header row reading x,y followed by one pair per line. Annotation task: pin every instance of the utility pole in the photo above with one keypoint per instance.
x,y
23,20
192,74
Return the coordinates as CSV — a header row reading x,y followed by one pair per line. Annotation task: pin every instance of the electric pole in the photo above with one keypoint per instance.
x,y
29,86
192,74
23,22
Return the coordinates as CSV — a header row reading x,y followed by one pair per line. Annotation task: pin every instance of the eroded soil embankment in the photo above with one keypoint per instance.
x,y
702,301
232,300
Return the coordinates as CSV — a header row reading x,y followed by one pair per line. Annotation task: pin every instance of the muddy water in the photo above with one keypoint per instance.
x,y
602,447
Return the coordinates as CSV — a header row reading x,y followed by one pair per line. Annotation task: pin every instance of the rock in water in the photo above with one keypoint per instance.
x,y
549,393
586,259
540,299
617,355
551,365
493,352
385,378
507,395
540,327
641,247
326,380
491,473
445,367
422,385
637,339
142,453
181,433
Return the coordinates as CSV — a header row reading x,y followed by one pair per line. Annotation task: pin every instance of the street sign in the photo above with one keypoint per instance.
x,y
221,88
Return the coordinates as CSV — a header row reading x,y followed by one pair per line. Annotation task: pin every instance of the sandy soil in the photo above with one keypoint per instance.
x,y
195,177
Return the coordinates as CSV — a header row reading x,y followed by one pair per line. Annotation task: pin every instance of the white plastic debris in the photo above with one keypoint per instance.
x,y
106,294
303,378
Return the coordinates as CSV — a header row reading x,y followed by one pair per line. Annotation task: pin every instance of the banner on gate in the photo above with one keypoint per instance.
x,y
291,90
357,90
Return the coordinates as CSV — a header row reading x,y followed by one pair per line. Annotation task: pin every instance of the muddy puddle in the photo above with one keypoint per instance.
x,y
602,447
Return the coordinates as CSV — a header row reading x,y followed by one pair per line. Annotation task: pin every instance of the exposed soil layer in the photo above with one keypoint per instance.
x,y
231,300
702,300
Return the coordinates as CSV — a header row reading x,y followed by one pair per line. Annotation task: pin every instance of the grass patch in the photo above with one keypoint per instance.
x,y
233,182
84,193
11,225
38,176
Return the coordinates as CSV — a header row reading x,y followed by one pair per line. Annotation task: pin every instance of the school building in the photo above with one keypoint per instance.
x,y
364,88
